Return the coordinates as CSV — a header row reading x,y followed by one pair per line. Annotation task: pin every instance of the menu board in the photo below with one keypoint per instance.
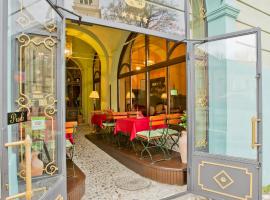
x,y
159,16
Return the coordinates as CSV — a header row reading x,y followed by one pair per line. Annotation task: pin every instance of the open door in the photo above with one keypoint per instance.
x,y
32,87
225,117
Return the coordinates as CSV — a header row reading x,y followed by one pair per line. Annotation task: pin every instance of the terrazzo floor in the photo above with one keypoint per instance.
x,y
102,171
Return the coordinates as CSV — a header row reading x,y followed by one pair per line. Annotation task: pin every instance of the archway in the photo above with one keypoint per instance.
x,y
73,30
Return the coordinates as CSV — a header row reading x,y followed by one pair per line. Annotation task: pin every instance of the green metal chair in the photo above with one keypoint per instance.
x,y
173,129
155,137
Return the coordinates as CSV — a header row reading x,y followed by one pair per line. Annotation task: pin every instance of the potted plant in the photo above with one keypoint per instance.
x,y
183,138
266,192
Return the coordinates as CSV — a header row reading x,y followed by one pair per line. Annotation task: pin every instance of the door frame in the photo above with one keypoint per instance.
x,y
191,108
3,95
59,189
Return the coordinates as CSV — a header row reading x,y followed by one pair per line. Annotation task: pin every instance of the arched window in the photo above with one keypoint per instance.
x,y
151,75
73,90
97,79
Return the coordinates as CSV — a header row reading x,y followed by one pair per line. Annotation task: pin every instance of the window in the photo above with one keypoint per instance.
x,y
86,2
125,96
158,92
139,93
97,79
138,53
157,63
177,87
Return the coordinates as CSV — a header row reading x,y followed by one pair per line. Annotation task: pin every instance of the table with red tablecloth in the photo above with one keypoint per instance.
x,y
131,126
98,119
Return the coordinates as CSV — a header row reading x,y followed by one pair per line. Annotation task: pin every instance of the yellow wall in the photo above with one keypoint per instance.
x,y
82,54
90,39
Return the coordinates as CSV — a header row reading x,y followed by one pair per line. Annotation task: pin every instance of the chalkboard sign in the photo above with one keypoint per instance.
x,y
17,117
157,86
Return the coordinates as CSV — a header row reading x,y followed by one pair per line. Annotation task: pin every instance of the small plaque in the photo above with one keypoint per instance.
x,y
38,123
17,117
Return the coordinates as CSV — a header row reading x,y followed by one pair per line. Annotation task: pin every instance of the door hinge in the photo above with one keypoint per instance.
x,y
7,186
188,56
259,165
188,170
258,76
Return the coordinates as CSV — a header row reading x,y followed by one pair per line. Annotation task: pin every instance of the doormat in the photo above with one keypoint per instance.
x,y
132,184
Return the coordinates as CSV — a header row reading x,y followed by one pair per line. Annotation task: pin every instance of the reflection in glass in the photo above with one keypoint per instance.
x,y
226,95
32,86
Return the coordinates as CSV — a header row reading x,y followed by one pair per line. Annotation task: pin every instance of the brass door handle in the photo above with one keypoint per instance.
x,y
27,143
254,122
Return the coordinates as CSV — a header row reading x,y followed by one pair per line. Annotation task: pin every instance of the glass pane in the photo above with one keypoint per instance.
x,y
157,50
124,94
138,95
266,116
138,53
225,80
176,50
177,86
163,16
197,19
32,54
158,92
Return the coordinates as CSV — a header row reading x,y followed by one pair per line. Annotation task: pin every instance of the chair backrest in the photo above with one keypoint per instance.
x,y
134,114
158,120
119,115
71,124
173,119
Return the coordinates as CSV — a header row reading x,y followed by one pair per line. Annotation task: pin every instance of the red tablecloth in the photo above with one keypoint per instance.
x,y
98,119
131,126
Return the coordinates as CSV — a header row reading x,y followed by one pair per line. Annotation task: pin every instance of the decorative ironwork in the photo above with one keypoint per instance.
x,y
24,101
203,101
51,168
23,20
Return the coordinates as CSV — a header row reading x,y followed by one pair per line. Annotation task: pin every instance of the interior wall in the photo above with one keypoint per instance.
x,y
83,54
109,50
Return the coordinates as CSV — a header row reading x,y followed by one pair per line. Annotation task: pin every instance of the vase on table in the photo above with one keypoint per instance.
x,y
183,146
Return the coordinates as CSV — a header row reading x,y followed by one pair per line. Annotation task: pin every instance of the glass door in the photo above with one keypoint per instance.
x,y
33,163
226,117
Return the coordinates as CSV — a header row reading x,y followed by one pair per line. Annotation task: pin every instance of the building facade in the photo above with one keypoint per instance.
x,y
225,57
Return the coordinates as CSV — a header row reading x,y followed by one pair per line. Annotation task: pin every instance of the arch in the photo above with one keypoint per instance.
x,y
92,40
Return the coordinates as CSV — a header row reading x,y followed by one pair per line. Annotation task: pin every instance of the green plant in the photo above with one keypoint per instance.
x,y
266,189
37,140
183,122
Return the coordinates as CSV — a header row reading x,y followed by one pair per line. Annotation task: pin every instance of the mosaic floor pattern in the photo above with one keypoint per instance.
x,y
102,172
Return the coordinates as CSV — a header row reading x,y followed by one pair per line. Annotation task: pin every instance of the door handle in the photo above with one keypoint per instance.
x,y
28,192
254,123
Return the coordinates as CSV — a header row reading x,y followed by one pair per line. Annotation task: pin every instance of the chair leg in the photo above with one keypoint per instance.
x,y
146,147
175,142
